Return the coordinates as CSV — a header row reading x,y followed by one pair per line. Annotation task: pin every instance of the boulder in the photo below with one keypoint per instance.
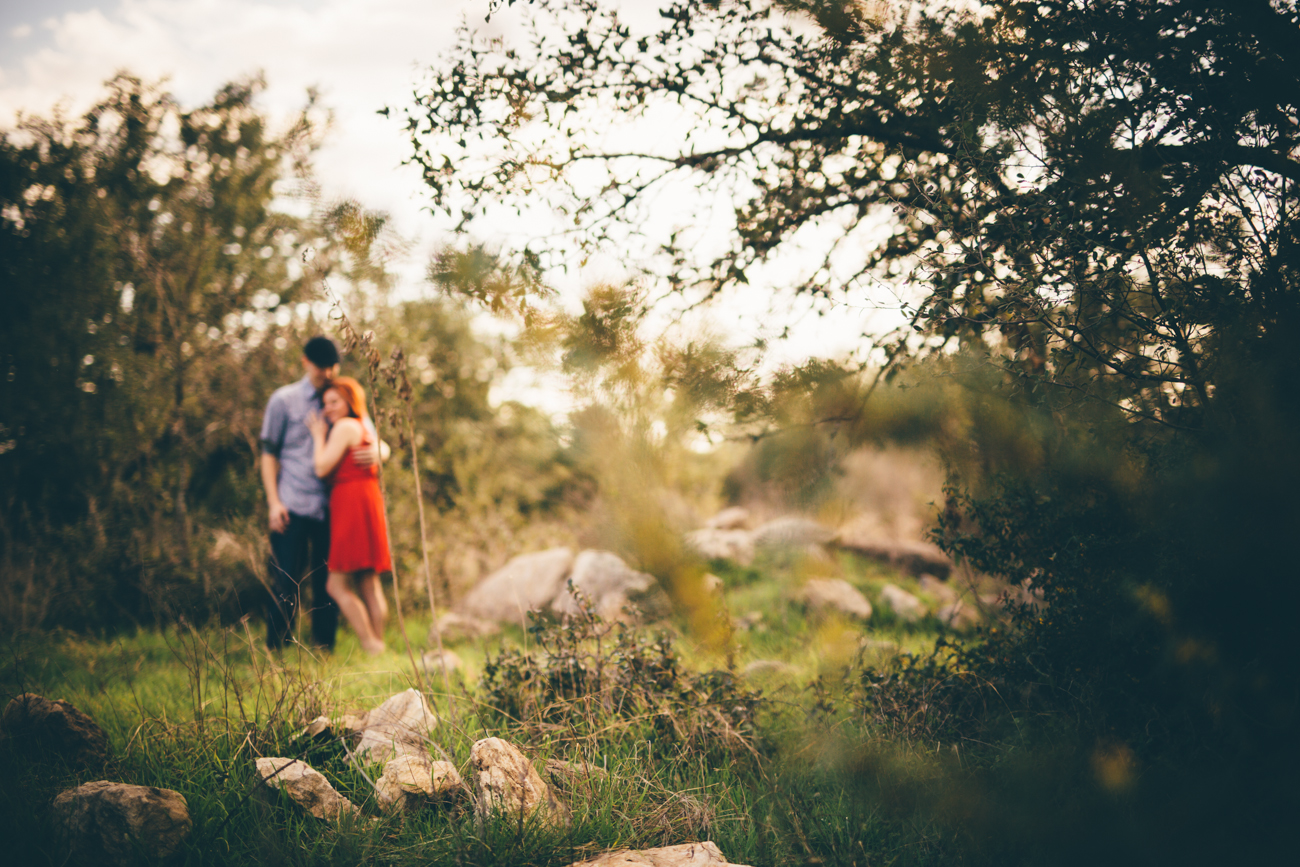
x,y
716,544
835,594
352,725
940,590
958,615
566,776
117,823
713,585
306,786
912,557
791,532
610,585
412,782
704,854
904,605
319,728
398,727
434,661
750,620
733,518
455,627
506,784
41,725
529,582
766,667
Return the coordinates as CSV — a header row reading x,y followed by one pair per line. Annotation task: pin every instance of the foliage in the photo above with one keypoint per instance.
x,y
1087,189
600,682
149,277
1095,205
161,279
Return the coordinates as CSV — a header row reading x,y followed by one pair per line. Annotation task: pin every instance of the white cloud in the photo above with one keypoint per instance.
x,y
22,31
361,55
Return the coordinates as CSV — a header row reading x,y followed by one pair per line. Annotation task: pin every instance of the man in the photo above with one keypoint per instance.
x,y
298,501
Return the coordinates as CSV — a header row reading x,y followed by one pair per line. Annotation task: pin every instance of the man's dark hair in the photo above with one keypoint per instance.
x,y
321,351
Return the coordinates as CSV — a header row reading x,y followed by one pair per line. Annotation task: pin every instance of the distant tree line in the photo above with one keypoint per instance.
x,y
161,267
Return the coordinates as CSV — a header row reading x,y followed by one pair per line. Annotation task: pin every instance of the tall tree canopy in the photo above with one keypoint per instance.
x,y
1095,201
1103,193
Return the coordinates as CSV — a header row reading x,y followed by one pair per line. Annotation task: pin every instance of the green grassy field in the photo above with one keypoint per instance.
x,y
694,750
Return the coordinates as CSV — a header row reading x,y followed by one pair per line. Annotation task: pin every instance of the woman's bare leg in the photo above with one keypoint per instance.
x,y
371,592
339,587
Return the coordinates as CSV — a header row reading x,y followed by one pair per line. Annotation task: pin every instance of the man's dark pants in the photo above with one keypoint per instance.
x,y
302,549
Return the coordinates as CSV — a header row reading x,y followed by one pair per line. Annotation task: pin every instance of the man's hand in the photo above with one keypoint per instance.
x,y
279,518
369,454
279,514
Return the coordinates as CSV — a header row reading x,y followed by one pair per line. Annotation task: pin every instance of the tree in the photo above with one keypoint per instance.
x,y
1096,204
145,263
1101,194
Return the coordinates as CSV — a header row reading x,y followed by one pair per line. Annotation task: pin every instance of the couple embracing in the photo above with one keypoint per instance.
x,y
320,468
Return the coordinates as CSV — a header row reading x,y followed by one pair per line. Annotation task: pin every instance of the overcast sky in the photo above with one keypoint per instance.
x,y
361,54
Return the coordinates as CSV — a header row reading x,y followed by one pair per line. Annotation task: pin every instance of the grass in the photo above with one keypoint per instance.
x,y
189,709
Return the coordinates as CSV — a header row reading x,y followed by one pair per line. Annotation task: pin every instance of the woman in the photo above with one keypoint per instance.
x,y
358,529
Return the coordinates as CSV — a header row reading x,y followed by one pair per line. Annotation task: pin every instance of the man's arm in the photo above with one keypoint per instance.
x,y
279,515
274,422
370,453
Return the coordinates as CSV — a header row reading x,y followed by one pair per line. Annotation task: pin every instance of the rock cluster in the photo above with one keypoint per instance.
x,y
115,823
835,595
541,581
727,536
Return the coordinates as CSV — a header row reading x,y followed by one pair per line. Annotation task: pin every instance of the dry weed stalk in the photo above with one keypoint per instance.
x,y
395,376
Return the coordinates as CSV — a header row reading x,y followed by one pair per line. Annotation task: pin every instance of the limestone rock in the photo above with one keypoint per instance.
x,y
835,594
791,532
411,782
878,647
398,727
117,823
719,544
610,585
913,557
733,518
306,786
766,667
940,590
41,725
904,605
958,615
529,582
749,620
507,784
704,854
456,627
353,724
713,585
566,776
319,729
434,661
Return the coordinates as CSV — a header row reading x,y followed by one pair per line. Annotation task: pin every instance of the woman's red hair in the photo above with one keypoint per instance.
x,y
353,395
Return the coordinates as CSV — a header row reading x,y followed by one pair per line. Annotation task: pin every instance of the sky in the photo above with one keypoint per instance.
x,y
361,55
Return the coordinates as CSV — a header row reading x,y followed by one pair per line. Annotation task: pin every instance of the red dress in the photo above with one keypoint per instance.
x,y
358,528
